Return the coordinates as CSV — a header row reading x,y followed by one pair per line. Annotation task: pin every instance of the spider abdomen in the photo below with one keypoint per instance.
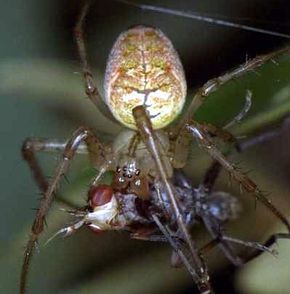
x,y
144,69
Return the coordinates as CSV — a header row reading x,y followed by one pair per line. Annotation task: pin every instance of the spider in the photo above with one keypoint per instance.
x,y
145,91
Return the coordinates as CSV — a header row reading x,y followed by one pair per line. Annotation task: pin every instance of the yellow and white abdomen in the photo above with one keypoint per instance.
x,y
144,69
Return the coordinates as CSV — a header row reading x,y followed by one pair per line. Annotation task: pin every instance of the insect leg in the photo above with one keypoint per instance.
x,y
259,248
81,135
215,230
154,235
183,140
214,227
207,144
272,240
255,245
148,136
213,172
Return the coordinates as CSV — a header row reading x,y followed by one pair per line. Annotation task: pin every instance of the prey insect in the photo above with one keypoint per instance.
x,y
145,91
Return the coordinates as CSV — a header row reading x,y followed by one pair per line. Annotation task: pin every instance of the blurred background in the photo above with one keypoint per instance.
x,y
42,95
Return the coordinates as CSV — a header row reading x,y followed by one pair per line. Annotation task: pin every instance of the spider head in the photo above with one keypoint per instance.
x,y
144,69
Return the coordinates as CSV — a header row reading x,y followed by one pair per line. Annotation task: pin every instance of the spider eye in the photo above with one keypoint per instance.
x,y
100,195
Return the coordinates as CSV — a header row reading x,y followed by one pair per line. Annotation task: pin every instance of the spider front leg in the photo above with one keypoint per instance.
x,y
182,139
31,146
91,89
144,126
214,84
207,144
70,149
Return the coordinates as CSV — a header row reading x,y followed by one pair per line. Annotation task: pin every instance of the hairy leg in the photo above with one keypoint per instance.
x,y
32,146
81,135
207,144
148,136
91,89
212,174
214,84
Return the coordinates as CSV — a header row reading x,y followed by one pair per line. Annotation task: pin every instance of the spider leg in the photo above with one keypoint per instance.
x,y
148,136
212,174
91,89
207,144
215,230
203,287
33,145
214,84
256,245
218,132
240,145
81,135
183,140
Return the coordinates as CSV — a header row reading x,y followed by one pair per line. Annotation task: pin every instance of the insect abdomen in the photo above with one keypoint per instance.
x,y
144,69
